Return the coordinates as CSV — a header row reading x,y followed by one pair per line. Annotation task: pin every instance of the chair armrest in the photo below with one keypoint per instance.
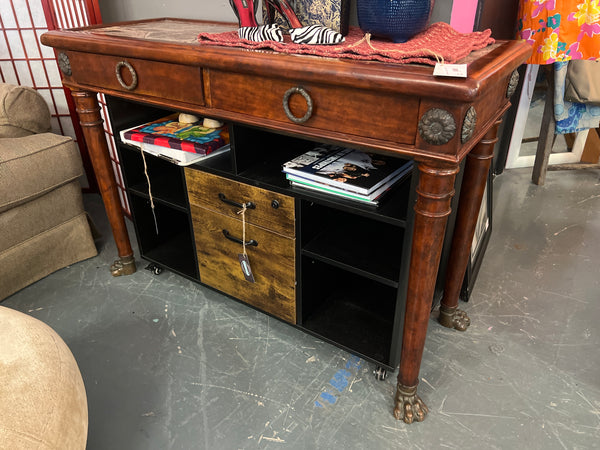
x,y
23,111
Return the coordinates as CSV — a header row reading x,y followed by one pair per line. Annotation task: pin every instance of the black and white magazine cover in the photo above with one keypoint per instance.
x,y
345,168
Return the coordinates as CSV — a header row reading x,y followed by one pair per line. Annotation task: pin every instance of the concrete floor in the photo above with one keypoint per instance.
x,y
169,364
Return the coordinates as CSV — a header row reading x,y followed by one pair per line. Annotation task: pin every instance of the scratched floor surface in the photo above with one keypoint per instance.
x,y
169,364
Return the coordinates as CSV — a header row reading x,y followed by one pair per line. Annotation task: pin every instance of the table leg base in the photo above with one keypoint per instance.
x,y
123,266
452,317
409,407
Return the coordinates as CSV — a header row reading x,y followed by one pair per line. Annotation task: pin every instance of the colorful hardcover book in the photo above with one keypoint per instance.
x,y
181,158
345,168
170,133
176,156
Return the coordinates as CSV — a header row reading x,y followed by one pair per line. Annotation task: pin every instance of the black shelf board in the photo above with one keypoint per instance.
x,y
260,156
219,164
175,254
165,178
185,272
353,267
395,203
346,323
160,194
364,246
267,174
393,208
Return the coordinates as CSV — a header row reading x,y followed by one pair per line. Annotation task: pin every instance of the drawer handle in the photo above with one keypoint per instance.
x,y
248,205
134,78
286,104
239,241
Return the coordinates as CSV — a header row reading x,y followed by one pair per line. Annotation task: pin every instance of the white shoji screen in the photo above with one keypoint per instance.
x,y
25,61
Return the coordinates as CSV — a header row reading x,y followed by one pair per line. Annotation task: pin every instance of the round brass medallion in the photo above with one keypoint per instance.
x,y
469,123
512,84
64,64
437,126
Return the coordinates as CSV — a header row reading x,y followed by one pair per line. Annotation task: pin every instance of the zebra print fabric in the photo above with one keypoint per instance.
x,y
269,32
316,35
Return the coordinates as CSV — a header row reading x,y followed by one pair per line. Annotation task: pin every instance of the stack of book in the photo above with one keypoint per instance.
x,y
178,142
346,172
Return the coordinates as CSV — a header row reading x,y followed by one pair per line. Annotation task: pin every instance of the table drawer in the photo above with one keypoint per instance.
x,y
372,114
152,78
272,261
272,210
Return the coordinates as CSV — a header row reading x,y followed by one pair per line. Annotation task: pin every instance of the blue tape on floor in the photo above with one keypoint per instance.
x,y
339,382
328,397
354,363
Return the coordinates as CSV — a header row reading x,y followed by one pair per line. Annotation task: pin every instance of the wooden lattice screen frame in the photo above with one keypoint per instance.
x,y
25,61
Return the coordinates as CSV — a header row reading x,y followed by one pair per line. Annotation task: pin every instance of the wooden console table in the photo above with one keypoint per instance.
x,y
398,110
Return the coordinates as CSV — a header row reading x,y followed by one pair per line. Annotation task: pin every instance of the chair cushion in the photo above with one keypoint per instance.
x,y
40,214
32,165
39,256
43,402
23,111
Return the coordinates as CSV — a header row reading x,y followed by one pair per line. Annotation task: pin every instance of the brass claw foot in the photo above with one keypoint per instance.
x,y
452,317
409,407
123,266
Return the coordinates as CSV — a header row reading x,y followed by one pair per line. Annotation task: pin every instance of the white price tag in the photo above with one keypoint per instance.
x,y
450,70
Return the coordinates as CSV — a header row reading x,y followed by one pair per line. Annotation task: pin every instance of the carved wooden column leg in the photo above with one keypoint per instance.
x,y
434,194
91,124
474,181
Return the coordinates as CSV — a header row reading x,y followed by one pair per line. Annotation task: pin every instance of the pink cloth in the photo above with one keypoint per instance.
x,y
438,41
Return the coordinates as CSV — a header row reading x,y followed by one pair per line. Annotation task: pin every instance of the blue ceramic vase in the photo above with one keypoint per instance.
x,y
398,20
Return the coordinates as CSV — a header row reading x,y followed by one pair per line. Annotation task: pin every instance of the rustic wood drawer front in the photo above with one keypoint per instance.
x,y
269,209
272,260
137,76
377,115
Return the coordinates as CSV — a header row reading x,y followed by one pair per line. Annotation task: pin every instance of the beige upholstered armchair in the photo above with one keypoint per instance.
x,y
43,226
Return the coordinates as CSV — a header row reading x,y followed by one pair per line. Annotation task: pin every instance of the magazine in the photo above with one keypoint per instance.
x,y
345,168
345,196
375,195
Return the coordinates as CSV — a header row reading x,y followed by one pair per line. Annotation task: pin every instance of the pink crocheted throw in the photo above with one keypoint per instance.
x,y
439,42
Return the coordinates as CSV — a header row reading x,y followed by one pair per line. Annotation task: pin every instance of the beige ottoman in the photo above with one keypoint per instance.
x,y
43,403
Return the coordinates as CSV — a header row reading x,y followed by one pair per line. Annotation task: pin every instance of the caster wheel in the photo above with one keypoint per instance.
x,y
156,270
380,373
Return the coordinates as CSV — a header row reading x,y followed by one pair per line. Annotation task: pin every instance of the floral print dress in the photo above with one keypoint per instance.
x,y
560,30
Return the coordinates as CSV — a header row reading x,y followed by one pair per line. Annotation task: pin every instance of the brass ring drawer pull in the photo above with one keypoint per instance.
x,y
286,104
251,242
134,78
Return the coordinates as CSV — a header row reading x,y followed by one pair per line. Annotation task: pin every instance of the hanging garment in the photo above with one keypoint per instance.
x,y
583,82
571,117
560,30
